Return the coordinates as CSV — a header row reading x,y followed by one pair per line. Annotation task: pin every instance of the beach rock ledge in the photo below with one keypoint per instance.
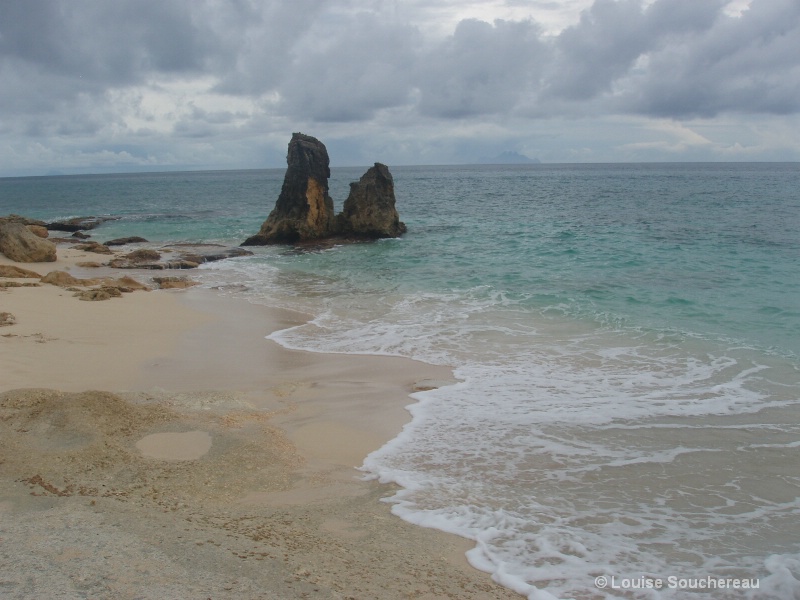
x,y
304,210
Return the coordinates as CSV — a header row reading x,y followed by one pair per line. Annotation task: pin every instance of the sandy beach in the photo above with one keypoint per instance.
x,y
156,445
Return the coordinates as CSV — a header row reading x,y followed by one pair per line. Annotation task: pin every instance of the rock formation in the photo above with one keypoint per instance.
x,y
369,211
304,210
79,223
19,244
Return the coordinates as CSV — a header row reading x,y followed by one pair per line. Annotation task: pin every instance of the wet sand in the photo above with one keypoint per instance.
x,y
158,446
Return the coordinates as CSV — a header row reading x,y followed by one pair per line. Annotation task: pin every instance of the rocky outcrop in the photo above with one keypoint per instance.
x,y
304,210
369,211
79,223
95,247
176,256
123,241
64,279
19,244
173,283
17,272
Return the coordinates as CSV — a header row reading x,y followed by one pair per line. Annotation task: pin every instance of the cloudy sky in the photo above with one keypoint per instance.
x,y
100,85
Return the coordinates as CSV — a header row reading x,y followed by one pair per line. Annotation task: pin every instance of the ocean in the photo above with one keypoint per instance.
x,y
626,340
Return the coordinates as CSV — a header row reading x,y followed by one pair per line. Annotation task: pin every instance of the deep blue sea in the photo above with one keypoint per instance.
x,y
626,340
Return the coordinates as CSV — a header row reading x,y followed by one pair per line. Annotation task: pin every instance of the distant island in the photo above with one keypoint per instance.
x,y
509,157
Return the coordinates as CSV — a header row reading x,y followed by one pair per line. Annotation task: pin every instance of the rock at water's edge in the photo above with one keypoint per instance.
x,y
369,211
304,210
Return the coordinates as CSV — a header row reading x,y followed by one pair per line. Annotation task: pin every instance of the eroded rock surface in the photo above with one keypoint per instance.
x,y
369,211
304,210
19,244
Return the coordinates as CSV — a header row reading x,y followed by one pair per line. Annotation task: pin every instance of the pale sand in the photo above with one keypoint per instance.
x,y
264,500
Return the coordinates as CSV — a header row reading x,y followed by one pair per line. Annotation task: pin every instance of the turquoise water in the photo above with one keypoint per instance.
x,y
627,339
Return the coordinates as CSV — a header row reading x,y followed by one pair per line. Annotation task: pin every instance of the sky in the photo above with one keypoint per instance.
x,y
93,86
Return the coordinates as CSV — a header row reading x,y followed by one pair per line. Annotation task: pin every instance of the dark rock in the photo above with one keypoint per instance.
x,y
79,223
19,244
185,256
203,253
304,210
303,214
81,236
134,239
369,211
95,247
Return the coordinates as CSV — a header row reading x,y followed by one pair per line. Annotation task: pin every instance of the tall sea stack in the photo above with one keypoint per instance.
x,y
304,210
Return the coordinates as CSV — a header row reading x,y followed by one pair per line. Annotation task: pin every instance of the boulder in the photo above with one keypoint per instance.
x,y
369,211
19,244
6,318
143,255
304,210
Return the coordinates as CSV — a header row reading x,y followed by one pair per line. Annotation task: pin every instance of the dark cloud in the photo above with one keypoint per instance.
x,y
480,69
76,69
349,70
612,36
109,42
746,64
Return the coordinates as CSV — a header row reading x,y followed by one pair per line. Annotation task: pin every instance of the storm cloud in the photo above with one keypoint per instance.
x,y
200,83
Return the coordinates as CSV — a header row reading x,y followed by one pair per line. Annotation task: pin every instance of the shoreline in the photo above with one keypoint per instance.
x,y
266,502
